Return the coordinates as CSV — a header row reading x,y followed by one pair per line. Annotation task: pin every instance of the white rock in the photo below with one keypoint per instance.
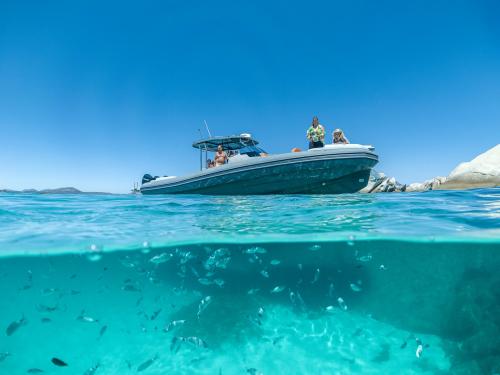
x,y
416,186
482,171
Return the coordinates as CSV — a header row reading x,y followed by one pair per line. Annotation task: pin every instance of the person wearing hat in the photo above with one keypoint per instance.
x,y
316,134
339,137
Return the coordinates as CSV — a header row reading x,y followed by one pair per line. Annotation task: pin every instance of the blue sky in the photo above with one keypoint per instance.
x,y
94,94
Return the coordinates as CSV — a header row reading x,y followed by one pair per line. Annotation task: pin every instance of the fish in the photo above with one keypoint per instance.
x,y
45,320
204,281
358,332
175,344
195,341
275,262
300,302
195,273
161,258
219,282
276,340
419,350
192,340
144,365
252,291
86,319
330,308
102,330
35,371
278,289
403,345
316,276
45,308
130,288
219,259
91,370
331,290
297,301
128,262
265,274
365,258
355,287
173,324
203,305
49,291
314,248
30,281
58,362
255,250
260,312
155,314
185,256
3,356
14,326
341,303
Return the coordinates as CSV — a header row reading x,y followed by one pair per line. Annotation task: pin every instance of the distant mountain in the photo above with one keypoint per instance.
x,y
63,190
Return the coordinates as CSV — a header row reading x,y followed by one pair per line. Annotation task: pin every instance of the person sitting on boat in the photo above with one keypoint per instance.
x,y
220,157
339,137
316,134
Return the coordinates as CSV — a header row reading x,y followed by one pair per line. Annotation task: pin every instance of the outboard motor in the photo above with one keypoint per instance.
x,y
148,178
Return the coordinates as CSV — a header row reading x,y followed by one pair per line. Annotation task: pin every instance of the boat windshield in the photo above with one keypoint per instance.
x,y
251,151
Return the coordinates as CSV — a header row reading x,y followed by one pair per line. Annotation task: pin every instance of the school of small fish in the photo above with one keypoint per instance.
x,y
207,273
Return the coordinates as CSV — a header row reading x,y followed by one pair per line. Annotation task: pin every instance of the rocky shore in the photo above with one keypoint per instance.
x,y
481,172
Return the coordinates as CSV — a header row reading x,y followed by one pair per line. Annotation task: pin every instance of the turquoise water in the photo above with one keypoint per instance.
x,y
115,284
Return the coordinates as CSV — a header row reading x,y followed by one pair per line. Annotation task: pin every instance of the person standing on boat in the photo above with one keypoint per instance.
x,y
316,134
339,137
220,156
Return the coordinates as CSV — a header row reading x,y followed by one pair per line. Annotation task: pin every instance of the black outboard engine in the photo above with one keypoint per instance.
x,y
148,178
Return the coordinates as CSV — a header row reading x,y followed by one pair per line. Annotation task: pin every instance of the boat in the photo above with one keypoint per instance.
x,y
332,169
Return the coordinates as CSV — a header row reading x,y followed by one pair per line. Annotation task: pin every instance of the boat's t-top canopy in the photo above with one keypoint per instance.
x,y
229,143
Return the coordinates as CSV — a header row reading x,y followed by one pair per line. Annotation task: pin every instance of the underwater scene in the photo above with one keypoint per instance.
x,y
351,284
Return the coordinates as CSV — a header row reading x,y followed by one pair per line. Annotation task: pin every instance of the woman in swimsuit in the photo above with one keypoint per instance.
x,y
339,137
220,157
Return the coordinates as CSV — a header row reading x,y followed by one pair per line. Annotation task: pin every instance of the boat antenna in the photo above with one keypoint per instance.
x,y
208,130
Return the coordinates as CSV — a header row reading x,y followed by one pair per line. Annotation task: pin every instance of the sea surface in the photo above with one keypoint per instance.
x,y
401,283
